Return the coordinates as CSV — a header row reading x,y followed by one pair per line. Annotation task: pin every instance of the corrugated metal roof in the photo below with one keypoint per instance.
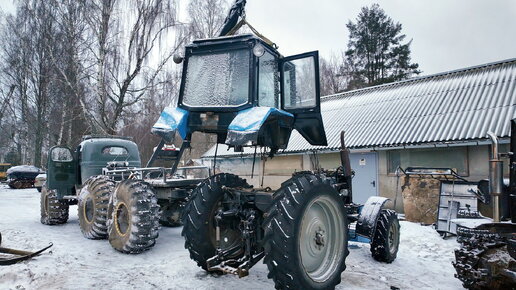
x,y
453,106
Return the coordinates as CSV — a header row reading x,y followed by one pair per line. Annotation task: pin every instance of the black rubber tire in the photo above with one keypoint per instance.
x,y
136,201
484,256
95,193
171,214
199,213
381,250
53,210
282,225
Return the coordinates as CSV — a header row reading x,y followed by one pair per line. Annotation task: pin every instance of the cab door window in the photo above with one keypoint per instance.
x,y
299,83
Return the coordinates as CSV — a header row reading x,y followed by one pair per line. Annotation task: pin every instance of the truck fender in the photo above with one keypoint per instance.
x,y
369,215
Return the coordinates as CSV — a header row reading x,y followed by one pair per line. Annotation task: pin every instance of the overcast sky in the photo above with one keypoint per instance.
x,y
447,34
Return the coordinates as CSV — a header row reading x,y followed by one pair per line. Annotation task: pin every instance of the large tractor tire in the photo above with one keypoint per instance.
x,y
93,206
306,238
386,239
53,210
199,219
133,217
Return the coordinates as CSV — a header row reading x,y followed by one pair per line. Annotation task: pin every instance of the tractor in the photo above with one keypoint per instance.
x,y
241,89
117,198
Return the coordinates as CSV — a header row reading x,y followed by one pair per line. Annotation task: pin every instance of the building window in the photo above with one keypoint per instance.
x,y
449,157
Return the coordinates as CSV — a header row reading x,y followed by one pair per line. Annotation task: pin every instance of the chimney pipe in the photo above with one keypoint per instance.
x,y
495,176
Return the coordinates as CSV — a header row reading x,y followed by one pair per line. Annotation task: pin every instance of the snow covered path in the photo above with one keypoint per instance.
x,y
424,260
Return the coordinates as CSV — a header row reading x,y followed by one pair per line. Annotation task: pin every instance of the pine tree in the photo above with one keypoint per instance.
x,y
376,53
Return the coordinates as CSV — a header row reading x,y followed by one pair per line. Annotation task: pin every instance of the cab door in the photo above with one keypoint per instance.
x,y
300,94
61,170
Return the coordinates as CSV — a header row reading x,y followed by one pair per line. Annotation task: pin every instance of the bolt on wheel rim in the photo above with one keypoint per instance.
x,y
88,208
321,239
393,238
121,219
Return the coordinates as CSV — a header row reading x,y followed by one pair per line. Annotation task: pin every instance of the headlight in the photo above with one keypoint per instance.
x,y
258,50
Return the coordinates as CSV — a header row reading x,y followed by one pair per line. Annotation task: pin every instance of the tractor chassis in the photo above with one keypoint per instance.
x,y
249,207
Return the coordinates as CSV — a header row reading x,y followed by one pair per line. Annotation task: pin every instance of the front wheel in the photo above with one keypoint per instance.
x,y
133,217
53,210
386,239
92,206
199,223
306,236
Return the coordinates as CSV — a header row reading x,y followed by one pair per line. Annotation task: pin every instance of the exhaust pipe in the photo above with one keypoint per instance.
x,y
495,176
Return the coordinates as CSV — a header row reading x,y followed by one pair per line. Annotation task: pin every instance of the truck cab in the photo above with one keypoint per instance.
x,y
241,89
67,170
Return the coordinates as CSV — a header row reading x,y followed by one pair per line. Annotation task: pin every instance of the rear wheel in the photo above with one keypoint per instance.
x,y
133,217
93,206
53,210
199,219
386,239
306,235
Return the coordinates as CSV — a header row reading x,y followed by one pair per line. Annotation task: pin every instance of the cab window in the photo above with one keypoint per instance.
x,y
268,81
61,154
114,151
300,83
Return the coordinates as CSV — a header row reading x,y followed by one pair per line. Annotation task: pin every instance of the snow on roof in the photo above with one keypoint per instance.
x,y
24,168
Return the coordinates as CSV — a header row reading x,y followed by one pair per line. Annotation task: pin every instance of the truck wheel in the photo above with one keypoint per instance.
x,y
92,206
386,238
171,214
133,215
199,219
306,238
53,210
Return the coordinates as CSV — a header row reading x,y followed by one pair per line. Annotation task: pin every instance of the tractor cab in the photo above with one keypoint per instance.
x,y
241,89
67,169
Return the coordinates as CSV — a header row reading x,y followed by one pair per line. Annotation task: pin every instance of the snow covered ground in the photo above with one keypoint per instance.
x,y
424,259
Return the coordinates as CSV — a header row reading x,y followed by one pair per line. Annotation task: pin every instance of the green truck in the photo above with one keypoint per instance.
x,y
117,198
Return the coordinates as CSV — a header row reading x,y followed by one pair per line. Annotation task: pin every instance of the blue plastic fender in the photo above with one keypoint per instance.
x,y
172,119
246,125
366,224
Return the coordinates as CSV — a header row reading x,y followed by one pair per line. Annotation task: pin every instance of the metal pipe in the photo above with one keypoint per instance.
x,y
495,176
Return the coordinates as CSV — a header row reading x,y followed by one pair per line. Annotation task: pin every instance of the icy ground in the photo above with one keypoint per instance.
x,y
424,259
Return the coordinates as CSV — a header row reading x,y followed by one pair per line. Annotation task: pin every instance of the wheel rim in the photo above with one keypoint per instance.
x,y
121,219
88,209
393,238
322,237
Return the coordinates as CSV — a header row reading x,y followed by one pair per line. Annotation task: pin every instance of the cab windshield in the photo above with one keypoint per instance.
x,y
217,79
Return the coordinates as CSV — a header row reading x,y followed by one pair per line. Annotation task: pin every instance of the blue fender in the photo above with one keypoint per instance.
x,y
245,127
171,120
366,224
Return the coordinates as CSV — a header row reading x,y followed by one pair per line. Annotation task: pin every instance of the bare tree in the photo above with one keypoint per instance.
x,y
334,75
120,67
206,17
